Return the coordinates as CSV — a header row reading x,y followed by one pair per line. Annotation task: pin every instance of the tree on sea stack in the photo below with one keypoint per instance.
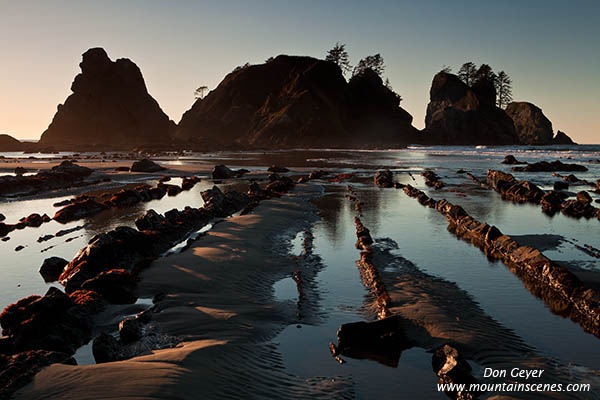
x,y
503,89
485,72
467,73
339,56
199,93
374,63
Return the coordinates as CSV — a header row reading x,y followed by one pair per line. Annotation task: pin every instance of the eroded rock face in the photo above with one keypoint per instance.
x,y
531,124
297,102
459,114
109,107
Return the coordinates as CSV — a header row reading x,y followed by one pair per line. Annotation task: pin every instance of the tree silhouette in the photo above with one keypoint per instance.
x,y
503,89
339,56
467,73
374,63
199,93
485,72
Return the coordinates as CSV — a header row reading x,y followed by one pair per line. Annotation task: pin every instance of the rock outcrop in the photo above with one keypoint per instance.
x,y
461,115
9,143
562,138
110,108
295,101
531,124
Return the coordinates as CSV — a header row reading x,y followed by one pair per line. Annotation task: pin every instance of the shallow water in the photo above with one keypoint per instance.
x,y
421,236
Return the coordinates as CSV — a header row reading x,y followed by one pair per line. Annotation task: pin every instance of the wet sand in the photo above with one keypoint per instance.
x,y
219,301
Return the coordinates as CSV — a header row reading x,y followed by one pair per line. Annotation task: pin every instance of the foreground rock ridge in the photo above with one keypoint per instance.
x,y
295,101
110,107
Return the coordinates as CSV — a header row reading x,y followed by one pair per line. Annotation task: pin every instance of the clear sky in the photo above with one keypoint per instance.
x,y
551,49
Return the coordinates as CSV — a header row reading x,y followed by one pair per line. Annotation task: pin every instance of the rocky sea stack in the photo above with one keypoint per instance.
x,y
110,107
293,101
461,115
9,143
531,124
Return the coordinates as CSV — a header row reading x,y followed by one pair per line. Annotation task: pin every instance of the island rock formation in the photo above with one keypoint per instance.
x,y
562,138
110,107
461,115
531,124
9,143
293,101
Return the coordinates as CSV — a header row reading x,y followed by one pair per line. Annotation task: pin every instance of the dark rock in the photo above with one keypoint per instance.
x,y
280,184
384,178
146,165
277,169
2,217
110,107
20,171
122,169
223,204
291,102
432,179
78,210
511,160
584,197
130,330
117,286
189,182
19,369
222,172
560,185
62,176
52,322
452,368
531,124
555,166
459,114
9,143
562,138
52,268
106,348
19,248
381,340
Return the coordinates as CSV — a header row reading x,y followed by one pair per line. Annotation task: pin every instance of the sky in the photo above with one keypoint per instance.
x,y
550,49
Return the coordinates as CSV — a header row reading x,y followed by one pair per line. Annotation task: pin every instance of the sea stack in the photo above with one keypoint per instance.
x,y
110,108
293,101
461,115
531,124
9,143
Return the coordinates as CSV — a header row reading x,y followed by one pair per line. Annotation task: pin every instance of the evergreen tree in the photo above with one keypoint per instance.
x,y
374,63
339,56
503,89
467,73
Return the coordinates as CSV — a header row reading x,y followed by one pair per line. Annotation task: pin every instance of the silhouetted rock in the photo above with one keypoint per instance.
x,y
297,102
562,138
2,217
52,268
459,114
20,171
432,179
384,178
222,172
62,176
511,160
531,124
106,348
110,108
130,330
146,165
117,286
9,143
78,210
277,169
554,166
560,185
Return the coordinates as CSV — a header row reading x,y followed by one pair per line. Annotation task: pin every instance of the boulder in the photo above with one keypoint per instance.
x,y
554,166
511,160
222,172
551,201
461,115
106,348
293,102
52,322
281,184
277,169
432,179
78,210
584,197
52,268
117,286
130,330
560,185
384,178
2,217
109,108
531,124
20,171
146,165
